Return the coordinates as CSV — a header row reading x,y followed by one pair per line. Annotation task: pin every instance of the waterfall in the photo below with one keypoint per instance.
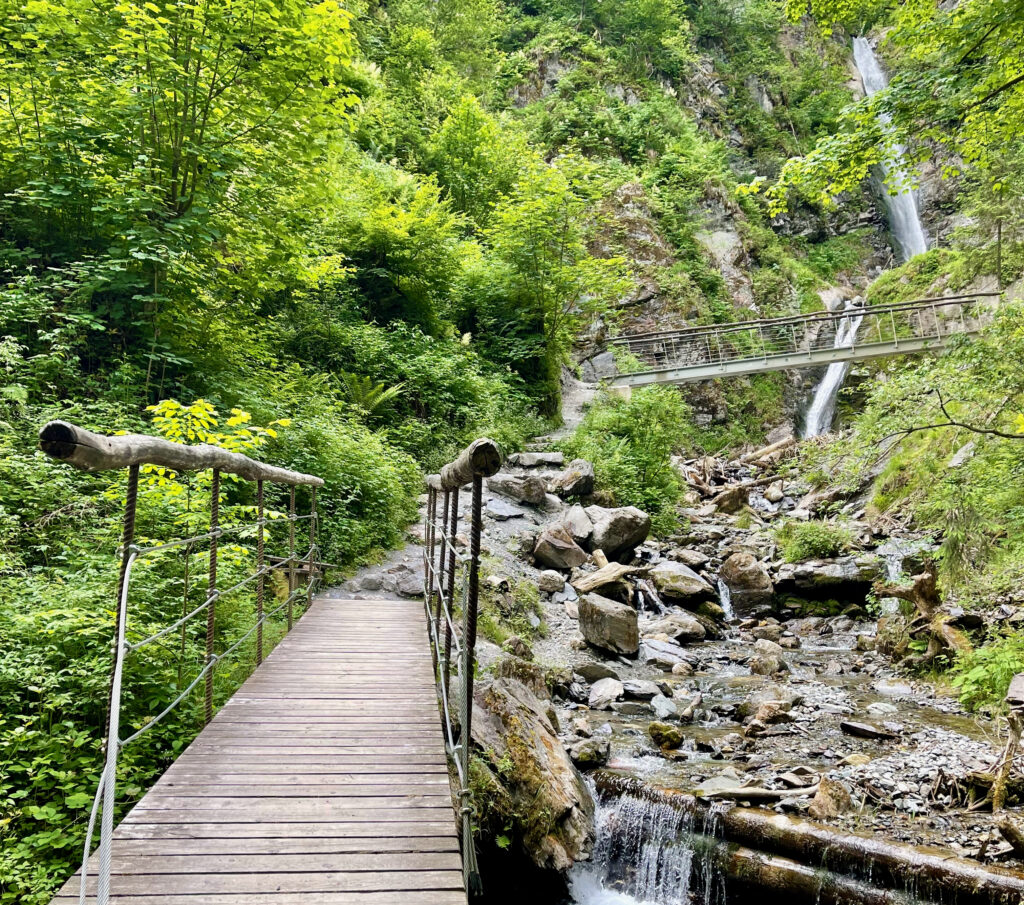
x,y
646,852
904,220
725,600
823,405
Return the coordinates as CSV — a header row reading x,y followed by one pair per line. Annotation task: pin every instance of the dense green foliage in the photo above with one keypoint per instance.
x,y
800,541
631,441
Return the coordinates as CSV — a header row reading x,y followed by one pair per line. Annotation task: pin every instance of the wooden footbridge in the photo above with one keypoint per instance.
x,y
337,773
855,333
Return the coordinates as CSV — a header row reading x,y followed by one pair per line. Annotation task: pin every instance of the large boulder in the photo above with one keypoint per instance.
x,y
663,654
536,459
678,582
577,480
556,548
529,489
609,625
839,577
750,586
542,796
578,524
604,693
679,627
617,531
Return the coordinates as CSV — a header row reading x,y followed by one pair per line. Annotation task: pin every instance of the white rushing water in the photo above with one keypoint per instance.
x,y
646,854
823,405
904,219
725,600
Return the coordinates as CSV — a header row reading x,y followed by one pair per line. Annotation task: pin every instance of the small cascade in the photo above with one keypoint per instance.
x,y
901,204
648,851
823,405
725,600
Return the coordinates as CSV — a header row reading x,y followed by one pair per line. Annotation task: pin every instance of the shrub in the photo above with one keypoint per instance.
x,y
631,441
983,675
812,540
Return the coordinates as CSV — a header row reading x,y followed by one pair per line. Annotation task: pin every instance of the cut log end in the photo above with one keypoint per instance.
x,y
57,440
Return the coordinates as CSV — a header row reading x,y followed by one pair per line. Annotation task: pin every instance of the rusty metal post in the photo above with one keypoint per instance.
x,y
472,600
292,579
429,574
261,582
211,609
442,558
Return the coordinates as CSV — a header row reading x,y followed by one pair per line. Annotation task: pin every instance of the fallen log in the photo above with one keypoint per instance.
x,y
606,575
924,595
931,873
759,793
770,450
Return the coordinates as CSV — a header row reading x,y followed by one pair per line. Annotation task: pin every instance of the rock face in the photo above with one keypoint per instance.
x,y
749,584
609,625
556,548
617,531
679,627
843,575
576,480
679,582
543,795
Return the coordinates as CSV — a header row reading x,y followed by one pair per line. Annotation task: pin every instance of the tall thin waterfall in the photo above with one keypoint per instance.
x,y
907,231
823,406
904,219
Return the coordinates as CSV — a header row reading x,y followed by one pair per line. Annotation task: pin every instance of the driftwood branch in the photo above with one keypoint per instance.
x,y
924,595
91,452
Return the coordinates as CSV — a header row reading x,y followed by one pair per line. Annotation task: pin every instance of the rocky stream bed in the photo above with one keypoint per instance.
x,y
702,664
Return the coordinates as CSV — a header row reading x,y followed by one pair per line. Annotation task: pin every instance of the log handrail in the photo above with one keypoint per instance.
x,y
88,451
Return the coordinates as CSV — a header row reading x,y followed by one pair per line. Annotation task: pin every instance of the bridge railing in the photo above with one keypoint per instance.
x,y
135,453
806,334
452,592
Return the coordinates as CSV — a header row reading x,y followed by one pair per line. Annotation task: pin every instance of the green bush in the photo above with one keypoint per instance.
x,y
631,441
983,675
800,541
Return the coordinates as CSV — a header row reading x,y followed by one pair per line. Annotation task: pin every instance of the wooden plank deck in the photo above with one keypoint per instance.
x,y
323,781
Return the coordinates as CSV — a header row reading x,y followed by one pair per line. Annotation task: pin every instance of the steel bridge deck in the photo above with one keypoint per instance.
x,y
323,781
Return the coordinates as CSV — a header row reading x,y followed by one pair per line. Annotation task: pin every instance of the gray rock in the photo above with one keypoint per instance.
x,y
410,585
609,625
576,480
663,654
591,753
680,627
664,708
527,489
604,693
676,581
556,548
372,582
749,584
550,582
578,524
510,723
536,459
501,510
594,672
640,689
617,531
600,366
690,557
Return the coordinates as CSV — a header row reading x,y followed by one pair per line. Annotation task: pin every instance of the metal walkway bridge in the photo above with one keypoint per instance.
x,y
801,341
338,772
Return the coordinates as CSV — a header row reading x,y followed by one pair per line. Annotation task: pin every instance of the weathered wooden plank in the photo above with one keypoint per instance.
x,y
323,781
322,881
401,897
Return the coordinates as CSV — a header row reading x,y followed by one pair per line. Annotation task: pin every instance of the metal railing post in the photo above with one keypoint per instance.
x,y
108,780
429,560
211,610
292,579
261,581
310,588
453,528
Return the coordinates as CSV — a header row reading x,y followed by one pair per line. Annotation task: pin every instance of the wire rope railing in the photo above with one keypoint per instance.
x,y
704,352
452,589
92,452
